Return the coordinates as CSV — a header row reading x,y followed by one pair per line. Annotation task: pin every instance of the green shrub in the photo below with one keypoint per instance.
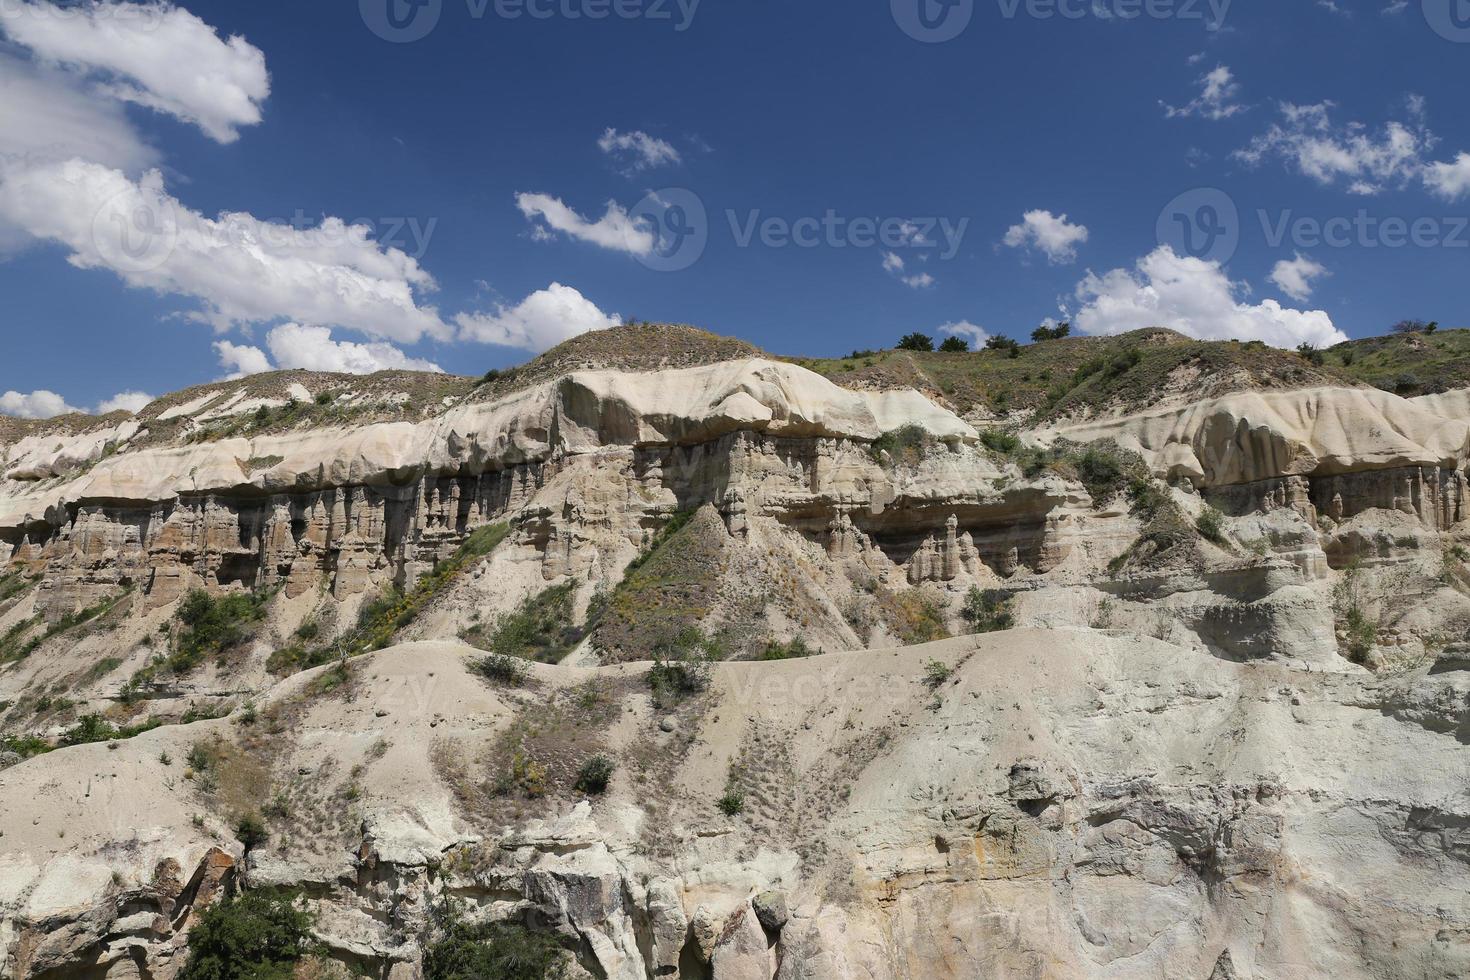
x,y
794,650
936,673
1101,472
1044,333
954,345
1002,443
594,775
497,951
94,728
90,728
1211,525
682,668
903,445
988,611
24,746
256,936
916,342
1362,633
540,628
250,831
501,668
213,624
732,803
201,757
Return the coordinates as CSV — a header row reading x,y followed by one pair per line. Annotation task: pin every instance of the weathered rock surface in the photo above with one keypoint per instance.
x,y
1247,758
1066,804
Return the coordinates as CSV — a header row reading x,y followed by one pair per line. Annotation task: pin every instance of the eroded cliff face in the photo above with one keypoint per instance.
x,y
1236,754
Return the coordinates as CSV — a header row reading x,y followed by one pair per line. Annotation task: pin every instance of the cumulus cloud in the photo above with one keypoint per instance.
x,y
312,348
540,321
1051,234
47,116
1294,277
977,335
1308,140
241,359
1450,181
637,151
125,401
241,269
40,404
1218,92
615,230
1196,298
154,54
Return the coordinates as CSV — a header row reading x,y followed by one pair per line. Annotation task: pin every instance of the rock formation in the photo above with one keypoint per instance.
x,y
1224,733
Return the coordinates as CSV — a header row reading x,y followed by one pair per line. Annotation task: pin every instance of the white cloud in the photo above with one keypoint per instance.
x,y
1196,298
895,266
1450,181
1294,277
125,401
312,348
1307,139
40,404
1054,235
1218,91
637,151
977,335
540,321
241,269
615,230
47,116
241,359
154,54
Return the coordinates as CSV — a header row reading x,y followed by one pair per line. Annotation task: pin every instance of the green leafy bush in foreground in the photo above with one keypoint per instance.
x,y
212,624
496,951
255,936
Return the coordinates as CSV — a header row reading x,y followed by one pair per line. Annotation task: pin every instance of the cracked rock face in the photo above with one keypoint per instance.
x,y
1245,759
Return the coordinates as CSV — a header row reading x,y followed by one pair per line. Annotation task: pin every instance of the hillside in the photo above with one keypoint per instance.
x,y
1083,376
1407,364
630,347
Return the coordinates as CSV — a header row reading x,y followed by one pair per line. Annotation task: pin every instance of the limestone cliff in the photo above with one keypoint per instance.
x,y
1219,729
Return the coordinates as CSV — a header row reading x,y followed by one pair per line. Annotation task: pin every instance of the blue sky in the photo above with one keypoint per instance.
x,y
1028,167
